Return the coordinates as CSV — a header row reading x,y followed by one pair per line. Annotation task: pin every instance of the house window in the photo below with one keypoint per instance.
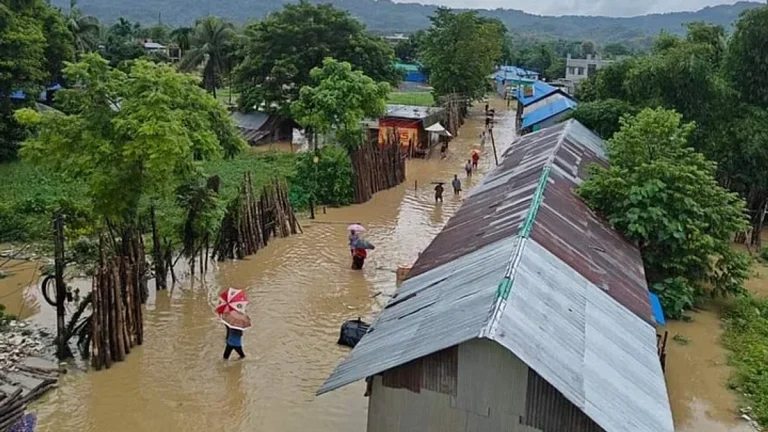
x,y
580,71
591,69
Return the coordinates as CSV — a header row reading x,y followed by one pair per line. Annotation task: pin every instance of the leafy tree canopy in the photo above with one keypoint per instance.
x,y
129,135
603,116
747,58
281,50
664,196
211,46
460,50
338,100
34,43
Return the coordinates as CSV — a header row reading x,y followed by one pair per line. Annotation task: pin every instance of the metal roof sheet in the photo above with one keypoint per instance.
x,y
526,264
540,91
412,112
250,120
436,310
548,111
598,354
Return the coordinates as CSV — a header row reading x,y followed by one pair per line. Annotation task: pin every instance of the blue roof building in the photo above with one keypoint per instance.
x,y
547,115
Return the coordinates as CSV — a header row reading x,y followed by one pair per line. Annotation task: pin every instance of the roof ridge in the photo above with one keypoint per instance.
x,y
504,288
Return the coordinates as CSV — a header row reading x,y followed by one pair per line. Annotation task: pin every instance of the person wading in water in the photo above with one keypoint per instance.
x,y
439,192
234,343
456,183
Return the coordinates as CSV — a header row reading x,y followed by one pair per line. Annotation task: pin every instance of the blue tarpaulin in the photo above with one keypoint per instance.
x,y
658,312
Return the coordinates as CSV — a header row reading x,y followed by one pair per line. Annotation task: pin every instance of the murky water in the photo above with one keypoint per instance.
x,y
698,371
301,290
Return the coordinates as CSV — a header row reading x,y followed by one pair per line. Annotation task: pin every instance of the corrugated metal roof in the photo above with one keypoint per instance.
x,y
513,73
411,111
438,309
594,351
251,120
549,110
526,264
540,91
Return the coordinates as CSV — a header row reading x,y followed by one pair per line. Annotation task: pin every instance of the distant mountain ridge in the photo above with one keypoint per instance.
x,y
385,16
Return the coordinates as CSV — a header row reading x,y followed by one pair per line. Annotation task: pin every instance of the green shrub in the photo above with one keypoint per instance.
x,y
746,336
329,180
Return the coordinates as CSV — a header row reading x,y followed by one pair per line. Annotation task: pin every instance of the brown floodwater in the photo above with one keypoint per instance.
x,y
301,290
698,372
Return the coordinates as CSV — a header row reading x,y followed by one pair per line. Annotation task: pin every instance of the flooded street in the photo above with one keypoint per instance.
x,y
301,290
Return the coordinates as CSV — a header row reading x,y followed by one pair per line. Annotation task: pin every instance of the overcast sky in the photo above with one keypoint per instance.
x,y
582,7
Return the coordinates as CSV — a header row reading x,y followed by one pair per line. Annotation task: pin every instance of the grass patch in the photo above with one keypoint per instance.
x,y
746,336
412,98
223,96
30,195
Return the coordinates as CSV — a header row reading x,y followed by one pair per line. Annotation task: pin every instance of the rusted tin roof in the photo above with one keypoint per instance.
x,y
526,264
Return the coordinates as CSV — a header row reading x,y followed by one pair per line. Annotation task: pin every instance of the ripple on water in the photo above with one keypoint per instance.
x,y
301,289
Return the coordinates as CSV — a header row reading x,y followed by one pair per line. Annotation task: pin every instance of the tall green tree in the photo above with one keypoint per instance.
x,y
460,50
280,51
407,51
34,43
663,195
603,116
121,42
84,28
747,57
182,36
338,99
212,45
129,136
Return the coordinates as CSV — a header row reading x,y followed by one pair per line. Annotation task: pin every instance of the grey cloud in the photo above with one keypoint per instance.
x,y
616,8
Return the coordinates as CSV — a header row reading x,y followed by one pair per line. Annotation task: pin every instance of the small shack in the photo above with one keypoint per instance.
x,y
410,123
527,313
547,115
258,128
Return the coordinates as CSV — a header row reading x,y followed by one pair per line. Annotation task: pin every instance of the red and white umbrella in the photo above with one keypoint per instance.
x,y
230,300
356,228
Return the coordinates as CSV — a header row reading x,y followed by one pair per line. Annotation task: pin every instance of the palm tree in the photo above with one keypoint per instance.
x,y
84,28
212,43
182,36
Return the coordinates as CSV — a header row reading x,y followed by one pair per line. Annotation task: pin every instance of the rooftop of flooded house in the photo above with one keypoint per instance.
x,y
525,263
412,112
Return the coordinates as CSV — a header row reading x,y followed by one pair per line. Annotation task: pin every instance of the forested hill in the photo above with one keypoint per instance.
x,y
385,16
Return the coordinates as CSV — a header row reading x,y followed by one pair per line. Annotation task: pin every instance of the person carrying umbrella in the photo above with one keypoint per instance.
x,y
354,229
231,311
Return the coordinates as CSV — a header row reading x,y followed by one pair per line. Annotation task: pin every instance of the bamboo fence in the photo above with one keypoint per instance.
x,y
251,221
119,290
377,167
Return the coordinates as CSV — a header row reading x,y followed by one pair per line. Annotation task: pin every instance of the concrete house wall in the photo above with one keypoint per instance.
x,y
485,391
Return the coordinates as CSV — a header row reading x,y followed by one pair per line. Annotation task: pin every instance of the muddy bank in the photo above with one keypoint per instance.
x,y
302,289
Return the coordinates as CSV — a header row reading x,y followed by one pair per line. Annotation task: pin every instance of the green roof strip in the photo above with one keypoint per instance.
x,y
505,285
527,226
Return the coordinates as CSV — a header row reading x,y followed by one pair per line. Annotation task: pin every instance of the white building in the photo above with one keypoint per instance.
x,y
577,70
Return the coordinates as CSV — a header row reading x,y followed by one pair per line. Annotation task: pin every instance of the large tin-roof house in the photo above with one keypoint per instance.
x,y
526,313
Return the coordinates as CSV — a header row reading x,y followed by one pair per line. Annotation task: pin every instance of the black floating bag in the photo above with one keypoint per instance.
x,y
352,331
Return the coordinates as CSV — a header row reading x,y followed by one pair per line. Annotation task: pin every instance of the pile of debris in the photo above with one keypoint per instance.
x,y
24,376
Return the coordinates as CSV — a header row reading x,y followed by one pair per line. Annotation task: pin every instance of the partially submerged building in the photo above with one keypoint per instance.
x,y
526,313
259,128
507,79
410,123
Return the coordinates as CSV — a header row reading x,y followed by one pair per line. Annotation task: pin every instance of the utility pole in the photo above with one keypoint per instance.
x,y
61,291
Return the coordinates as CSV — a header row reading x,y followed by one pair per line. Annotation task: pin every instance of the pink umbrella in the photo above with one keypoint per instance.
x,y
356,228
